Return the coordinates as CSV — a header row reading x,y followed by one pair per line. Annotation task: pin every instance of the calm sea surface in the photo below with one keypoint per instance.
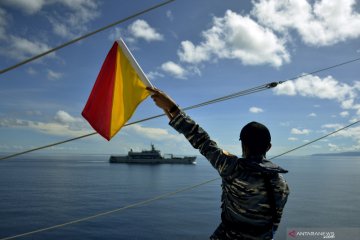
x,y
39,192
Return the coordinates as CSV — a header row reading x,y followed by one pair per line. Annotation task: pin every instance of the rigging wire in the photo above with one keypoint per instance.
x,y
231,96
317,139
163,196
227,97
84,36
324,69
234,95
166,195
137,204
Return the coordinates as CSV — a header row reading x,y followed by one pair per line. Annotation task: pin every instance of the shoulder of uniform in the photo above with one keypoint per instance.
x,y
226,153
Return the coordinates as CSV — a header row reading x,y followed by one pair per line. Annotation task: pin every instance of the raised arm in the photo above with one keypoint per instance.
x,y
198,137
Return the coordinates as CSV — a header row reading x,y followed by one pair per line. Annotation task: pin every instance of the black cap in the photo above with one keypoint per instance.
x,y
255,133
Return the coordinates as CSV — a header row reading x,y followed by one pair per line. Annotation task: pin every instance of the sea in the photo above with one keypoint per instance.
x,y
39,192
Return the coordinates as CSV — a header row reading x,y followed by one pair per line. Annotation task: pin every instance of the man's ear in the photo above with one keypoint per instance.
x,y
269,147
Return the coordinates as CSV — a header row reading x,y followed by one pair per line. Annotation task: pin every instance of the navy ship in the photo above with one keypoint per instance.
x,y
152,156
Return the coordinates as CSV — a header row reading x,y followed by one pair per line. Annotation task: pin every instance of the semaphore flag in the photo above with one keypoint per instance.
x,y
119,88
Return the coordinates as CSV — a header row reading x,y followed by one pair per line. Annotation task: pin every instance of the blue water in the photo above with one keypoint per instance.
x,y
39,192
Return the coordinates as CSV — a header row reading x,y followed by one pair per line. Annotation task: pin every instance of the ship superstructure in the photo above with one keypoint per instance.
x,y
152,156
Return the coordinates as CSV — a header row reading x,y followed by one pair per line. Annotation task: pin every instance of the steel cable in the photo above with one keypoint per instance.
x,y
227,97
163,196
83,37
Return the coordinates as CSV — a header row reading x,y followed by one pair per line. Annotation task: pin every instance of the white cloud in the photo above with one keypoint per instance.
x,y
58,129
354,120
297,131
170,15
344,114
4,146
116,33
7,147
33,113
332,125
236,37
292,139
174,69
65,118
152,75
352,133
16,47
84,8
72,23
9,122
322,23
52,75
68,23
285,124
61,29
313,86
19,48
31,71
193,54
141,29
333,147
64,125
286,88
27,6
158,134
256,110
3,24
326,88
312,115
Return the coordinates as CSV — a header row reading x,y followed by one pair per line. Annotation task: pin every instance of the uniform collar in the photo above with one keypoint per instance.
x,y
262,165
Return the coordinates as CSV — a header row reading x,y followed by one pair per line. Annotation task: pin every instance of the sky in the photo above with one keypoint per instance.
x,y
195,51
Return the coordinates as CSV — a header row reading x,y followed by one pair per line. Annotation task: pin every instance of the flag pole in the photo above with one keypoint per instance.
x,y
134,63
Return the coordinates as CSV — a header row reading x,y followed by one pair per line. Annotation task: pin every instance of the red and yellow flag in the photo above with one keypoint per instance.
x,y
119,88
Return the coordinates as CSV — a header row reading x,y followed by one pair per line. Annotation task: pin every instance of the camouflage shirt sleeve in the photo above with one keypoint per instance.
x,y
281,192
222,161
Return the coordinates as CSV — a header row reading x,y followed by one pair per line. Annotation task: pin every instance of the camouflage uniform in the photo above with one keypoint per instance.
x,y
246,212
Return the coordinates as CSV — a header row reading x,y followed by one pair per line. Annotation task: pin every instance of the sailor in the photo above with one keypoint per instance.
x,y
254,192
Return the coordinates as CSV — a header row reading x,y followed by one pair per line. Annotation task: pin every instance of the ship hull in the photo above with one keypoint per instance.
x,y
126,159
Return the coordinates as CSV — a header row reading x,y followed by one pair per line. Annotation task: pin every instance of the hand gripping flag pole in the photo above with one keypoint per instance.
x,y
119,88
